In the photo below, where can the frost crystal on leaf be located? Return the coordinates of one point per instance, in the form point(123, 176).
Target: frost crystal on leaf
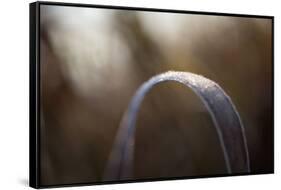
point(225, 117)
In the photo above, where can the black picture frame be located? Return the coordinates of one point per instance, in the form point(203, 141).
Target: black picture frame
point(34, 83)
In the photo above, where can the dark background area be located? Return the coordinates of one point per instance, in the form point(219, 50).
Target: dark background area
point(93, 60)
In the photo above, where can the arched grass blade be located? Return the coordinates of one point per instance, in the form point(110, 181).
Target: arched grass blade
point(223, 112)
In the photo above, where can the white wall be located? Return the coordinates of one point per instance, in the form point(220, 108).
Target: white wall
point(14, 49)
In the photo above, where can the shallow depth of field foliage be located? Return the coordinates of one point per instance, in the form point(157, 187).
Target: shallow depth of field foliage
point(94, 60)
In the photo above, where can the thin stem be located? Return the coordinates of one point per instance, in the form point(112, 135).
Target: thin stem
point(226, 119)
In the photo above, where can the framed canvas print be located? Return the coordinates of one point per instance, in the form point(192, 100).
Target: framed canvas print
point(122, 94)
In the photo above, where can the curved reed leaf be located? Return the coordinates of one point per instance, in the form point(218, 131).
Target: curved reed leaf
point(223, 112)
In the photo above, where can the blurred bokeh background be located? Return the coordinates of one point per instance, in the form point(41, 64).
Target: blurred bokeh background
point(92, 62)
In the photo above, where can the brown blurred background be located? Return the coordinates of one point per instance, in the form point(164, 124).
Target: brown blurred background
point(92, 62)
